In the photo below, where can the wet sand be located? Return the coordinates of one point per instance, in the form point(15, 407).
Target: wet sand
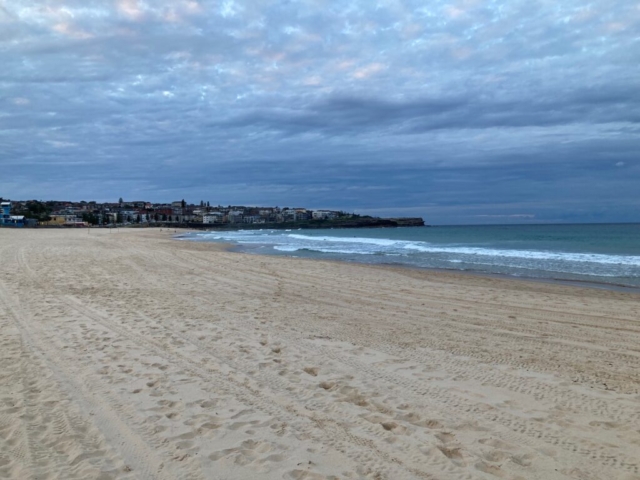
point(128, 354)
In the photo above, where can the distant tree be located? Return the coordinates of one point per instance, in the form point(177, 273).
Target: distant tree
point(33, 209)
point(129, 219)
point(184, 204)
point(164, 217)
point(155, 217)
point(138, 219)
point(119, 218)
point(89, 218)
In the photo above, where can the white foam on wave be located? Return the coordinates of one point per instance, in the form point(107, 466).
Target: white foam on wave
point(534, 255)
point(297, 248)
point(362, 240)
point(292, 242)
point(547, 268)
point(425, 247)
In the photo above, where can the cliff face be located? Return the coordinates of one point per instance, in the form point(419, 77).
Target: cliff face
point(360, 222)
point(378, 222)
point(408, 221)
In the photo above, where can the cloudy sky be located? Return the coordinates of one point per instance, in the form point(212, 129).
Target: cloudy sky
point(461, 111)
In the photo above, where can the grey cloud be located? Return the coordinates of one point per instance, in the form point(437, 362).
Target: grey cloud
point(340, 114)
point(459, 110)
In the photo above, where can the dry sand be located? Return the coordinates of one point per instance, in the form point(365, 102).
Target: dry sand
point(131, 355)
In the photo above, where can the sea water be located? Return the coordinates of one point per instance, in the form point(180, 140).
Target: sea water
point(600, 253)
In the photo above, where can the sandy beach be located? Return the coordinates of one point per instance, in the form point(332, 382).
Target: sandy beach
point(131, 355)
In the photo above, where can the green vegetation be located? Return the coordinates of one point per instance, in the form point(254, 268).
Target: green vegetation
point(91, 219)
point(35, 210)
point(345, 222)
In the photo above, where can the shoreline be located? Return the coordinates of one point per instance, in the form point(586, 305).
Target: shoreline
point(590, 284)
point(552, 281)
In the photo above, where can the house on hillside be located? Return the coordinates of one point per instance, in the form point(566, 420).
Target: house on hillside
point(212, 217)
point(252, 219)
point(324, 214)
point(235, 216)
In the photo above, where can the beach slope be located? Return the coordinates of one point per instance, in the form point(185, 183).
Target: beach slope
point(131, 355)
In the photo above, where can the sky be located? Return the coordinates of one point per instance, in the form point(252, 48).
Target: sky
point(460, 111)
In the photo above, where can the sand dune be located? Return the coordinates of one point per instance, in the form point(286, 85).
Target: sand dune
point(129, 355)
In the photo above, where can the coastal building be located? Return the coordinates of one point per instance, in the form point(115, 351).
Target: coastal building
point(162, 214)
point(60, 220)
point(253, 219)
point(5, 212)
point(324, 214)
point(235, 216)
point(303, 214)
point(8, 220)
point(212, 217)
point(15, 221)
point(128, 216)
point(178, 207)
point(288, 215)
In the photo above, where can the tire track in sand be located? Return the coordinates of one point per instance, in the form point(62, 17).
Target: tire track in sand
point(117, 433)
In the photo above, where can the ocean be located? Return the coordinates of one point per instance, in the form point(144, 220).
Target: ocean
point(597, 253)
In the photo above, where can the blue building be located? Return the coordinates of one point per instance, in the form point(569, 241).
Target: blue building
point(8, 220)
point(5, 212)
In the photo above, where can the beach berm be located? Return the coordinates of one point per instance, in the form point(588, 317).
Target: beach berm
point(131, 355)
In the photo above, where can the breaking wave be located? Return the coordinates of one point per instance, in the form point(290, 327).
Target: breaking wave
point(422, 253)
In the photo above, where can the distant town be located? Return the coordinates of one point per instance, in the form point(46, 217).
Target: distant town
point(35, 213)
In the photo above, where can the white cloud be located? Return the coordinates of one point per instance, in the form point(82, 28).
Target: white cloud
point(230, 8)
